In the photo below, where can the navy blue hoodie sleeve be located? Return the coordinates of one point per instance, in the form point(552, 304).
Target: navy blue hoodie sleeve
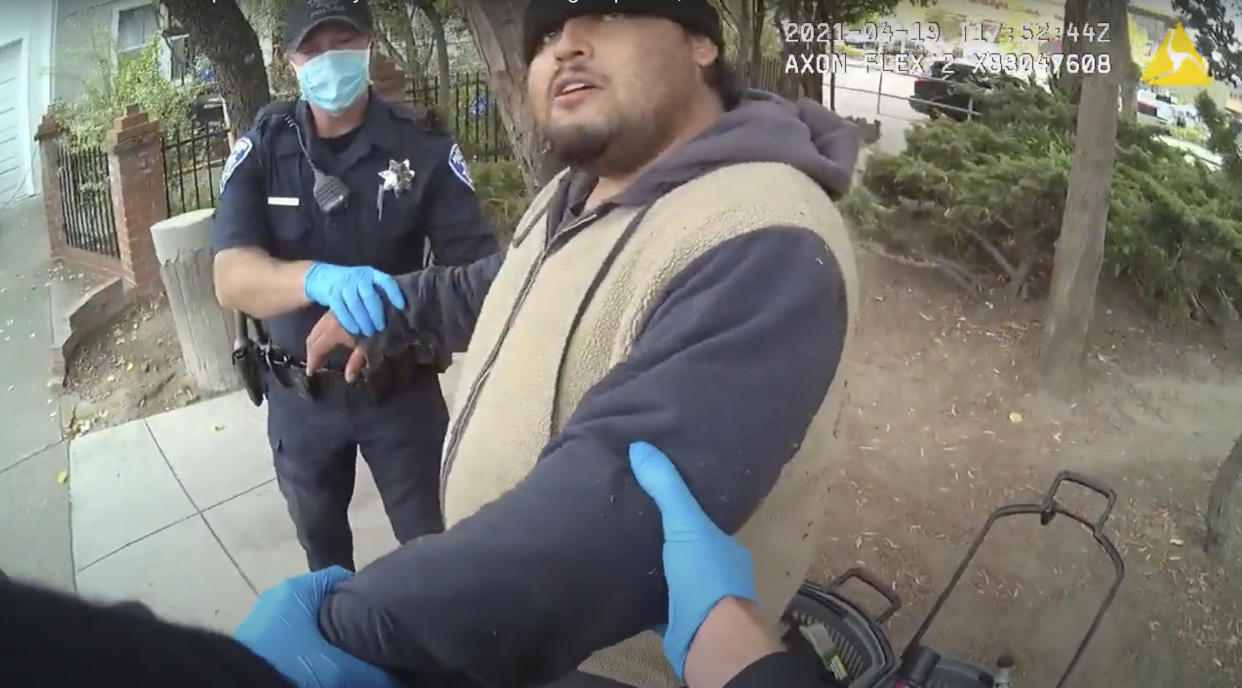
point(441, 307)
point(731, 366)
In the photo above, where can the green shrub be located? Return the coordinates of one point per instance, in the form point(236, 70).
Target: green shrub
point(1190, 134)
point(502, 195)
point(110, 87)
point(986, 198)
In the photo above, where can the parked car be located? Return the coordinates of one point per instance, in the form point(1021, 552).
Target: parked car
point(903, 46)
point(1154, 113)
point(1187, 115)
point(945, 88)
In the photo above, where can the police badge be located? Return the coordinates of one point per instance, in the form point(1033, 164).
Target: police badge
point(241, 149)
point(397, 179)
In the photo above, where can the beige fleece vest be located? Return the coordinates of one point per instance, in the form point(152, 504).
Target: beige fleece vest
point(514, 393)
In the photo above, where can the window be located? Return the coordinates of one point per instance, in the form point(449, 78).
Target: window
point(134, 27)
point(181, 59)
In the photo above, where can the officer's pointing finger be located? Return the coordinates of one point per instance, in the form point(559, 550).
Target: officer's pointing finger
point(314, 357)
point(315, 345)
point(357, 361)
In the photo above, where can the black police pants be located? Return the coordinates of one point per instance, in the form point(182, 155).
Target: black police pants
point(315, 446)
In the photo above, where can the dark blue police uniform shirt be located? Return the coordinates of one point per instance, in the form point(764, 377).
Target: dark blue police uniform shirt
point(266, 201)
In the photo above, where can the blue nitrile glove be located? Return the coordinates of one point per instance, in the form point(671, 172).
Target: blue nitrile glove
point(283, 628)
point(701, 563)
point(353, 295)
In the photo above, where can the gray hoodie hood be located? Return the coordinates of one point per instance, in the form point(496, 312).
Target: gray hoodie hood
point(763, 127)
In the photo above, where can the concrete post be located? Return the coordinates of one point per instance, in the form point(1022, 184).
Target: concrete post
point(182, 246)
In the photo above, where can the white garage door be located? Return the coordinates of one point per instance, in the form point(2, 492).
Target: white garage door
point(14, 140)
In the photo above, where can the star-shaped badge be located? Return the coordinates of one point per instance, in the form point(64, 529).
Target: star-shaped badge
point(397, 177)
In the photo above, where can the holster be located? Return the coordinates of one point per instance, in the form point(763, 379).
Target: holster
point(249, 356)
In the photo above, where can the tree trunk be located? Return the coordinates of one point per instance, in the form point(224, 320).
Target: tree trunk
point(496, 26)
point(746, 38)
point(756, 45)
point(225, 36)
point(1122, 61)
point(205, 331)
point(832, 76)
point(813, 84)
point(1217, 519)
point(1080, 248)
point(1072, 44)
point(747, 18)
point(443, 76)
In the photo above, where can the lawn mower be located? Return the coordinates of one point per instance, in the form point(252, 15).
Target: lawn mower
point(849, 649)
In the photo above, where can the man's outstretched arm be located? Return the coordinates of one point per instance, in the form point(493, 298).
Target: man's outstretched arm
point(442, 304)
point(726, 376)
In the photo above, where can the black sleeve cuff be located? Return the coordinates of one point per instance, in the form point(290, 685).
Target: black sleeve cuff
point(776, 670)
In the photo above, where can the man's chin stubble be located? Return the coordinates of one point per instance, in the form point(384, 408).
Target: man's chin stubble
point(577, 147)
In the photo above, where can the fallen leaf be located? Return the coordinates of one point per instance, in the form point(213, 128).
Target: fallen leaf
point(1176, 542)
point(62, 476)
point(1015, 417)
point(129, 366)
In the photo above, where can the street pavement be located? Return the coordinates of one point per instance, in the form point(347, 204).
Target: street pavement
point(34, 505)
point(864, 91)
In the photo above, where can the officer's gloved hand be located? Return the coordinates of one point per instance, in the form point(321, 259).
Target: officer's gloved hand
point(353, 295)
point(283, 628)
point(702, 564)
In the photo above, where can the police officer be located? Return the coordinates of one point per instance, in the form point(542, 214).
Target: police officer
point(320, 202)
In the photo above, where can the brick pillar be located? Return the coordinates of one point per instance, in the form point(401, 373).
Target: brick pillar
point(49, 137)
point(136, 170)
point(388, 79)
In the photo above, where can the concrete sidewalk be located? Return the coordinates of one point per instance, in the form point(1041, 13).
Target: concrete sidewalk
point(181, 511)
point(34, 507)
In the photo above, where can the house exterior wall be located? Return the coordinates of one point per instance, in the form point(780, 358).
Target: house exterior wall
point(32, 24)
point(83, 40)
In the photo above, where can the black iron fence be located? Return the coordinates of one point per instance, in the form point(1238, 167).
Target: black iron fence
point(193, 162)
point(86, 199)
point(471, 112)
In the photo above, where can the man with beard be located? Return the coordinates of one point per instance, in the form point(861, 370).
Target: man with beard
point(688, 282)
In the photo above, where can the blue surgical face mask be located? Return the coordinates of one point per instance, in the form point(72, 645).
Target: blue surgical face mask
point(335, 79)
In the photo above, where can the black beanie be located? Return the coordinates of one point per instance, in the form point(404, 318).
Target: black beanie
point(543, 16)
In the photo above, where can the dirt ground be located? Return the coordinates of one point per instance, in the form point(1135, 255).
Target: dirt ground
point(943, 428)
point(129, 370)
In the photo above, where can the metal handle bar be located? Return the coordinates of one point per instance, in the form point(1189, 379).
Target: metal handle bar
point(1047, 509)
